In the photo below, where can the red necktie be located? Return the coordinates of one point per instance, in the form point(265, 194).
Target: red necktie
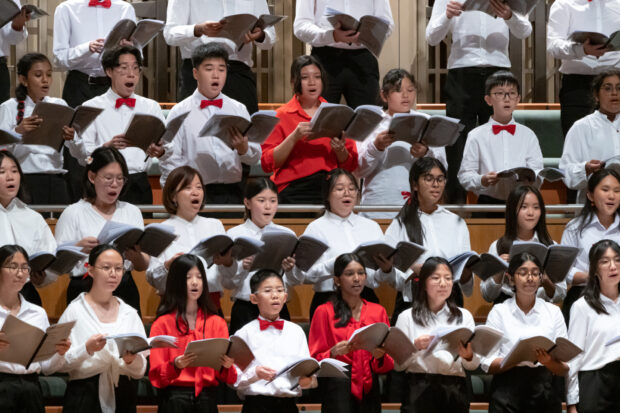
point(130, 102)
point(265, 324)
point(103, 3)
point(508, 128)
point(214, 102)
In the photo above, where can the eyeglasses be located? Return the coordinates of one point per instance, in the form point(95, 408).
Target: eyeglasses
point(279, 291)
point(606, 262)
point(609, 88)
point(109, 179)
point(503, 95)
point(430, 179)
point(350, 189)
point(110, 269)
point(436, 279)
point(528, 273)
point(125, 70)
point(14, 268)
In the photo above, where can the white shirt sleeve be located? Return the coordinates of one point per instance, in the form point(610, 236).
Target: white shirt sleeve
point(469, 175)
point(519, 25)
point(572, 160)
point(439, 24)
point(558, 44)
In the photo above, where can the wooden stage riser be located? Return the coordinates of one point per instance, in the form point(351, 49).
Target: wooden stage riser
point(482, 233)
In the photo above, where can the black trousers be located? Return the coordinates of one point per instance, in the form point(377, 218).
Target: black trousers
point(20, 393)
point(126, 290)
point(240, 83)
point(138, 191)
point(31, 294)
point(353, 74)
point(575, 99)
point(225, 194)
point(76, 91)
point(464, 90)
point(269, 404)
point(319, 298)
point(243, 312)
point(598, 389)
point(336, 397)
point(430, 393)
point(306, 190)
point(83, 396)
point(526, 389)
point(489, 200)
point(47, 189)
point(574, 293)
point(175, 399)
point(5, 80)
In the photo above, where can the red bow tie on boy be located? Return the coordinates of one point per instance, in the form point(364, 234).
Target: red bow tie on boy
point(215, 102)
point(129, 102)
point(508, 128)
point(100, 3)
point(265, 324)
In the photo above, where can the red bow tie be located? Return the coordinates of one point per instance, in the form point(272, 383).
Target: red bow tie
point(103, 3)
point(214, 102)
point(265, 324)
point(130, 102)
point(508, 128)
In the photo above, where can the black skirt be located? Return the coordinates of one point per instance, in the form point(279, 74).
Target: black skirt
point(20, 393)
point(429, 393)
point(176, 399)
point(269, 404)
point(336, 396)
point(526, 389)
point(599, 390)
point(82, 396)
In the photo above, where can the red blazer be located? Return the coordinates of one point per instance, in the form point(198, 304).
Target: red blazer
point(307, 157)
point(163, 373)
point(324, 335)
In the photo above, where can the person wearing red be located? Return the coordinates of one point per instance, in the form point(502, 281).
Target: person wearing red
point(332, 325)
point(187, 313)
point(300, 165)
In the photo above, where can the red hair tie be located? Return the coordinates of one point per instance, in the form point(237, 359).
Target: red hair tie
point(407, 196)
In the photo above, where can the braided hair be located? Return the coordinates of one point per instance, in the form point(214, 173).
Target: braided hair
point(21, 91)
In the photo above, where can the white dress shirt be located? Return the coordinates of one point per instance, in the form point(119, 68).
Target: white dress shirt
point(343, 235)
point(237, 278)
point(22, 226)
point(386, 173)
point(216, 161)
point(9, 37)
point(35, 316)
point(592, 233)
point(544, 319)
point(591, 137)
point(76, 25)
point(591, 332)
point(275, 349)
point(445, 235)
point(487, 152)
point(189, 234)
point(112, 122)
point(182, 15)
point(440, 361)
point(82, 220)
point(568, 16)
point(477, 38)
point(312, 27)
point(34, 159)
point(106, 362)
point(490, 289)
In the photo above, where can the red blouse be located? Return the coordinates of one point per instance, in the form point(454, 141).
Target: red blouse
point(163, 373)
point(324, 335)
point(307, 157)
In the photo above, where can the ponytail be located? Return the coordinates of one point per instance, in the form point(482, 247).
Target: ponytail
point(21, 91)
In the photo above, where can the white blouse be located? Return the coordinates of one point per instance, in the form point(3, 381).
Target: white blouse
point(107, 362)
point(189, 234)
point(439, 361)
point(82, 220)
point(544, 319)
point(590, 332)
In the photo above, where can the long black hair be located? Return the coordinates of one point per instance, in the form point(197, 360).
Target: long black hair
point(175, 298)
point(408, 216)
point(589, 208)
point(21, 91)
point(101, 158)
point(22, 193)
point(419, 306)
point(342, 311)
point(8, 251)
point(592, 292)
point(255, 186)
point(513, 205)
